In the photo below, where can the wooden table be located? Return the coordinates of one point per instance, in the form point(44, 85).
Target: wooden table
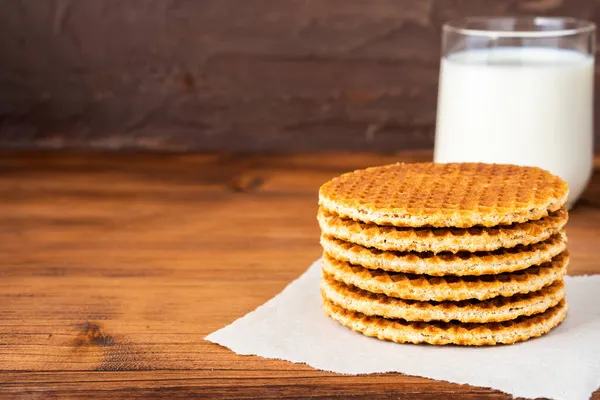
point(115, 266)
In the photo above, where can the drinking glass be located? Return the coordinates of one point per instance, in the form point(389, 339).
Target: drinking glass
point(519, 91)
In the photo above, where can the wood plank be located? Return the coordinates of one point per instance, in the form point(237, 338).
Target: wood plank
point(224, 74)
point(115, 266)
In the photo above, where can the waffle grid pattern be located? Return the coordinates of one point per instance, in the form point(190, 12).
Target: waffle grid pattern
point(459, 195)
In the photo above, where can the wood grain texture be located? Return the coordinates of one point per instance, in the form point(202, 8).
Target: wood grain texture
point(116, 266)
point(227, 74)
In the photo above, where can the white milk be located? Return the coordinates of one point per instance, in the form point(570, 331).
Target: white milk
point(526, 106)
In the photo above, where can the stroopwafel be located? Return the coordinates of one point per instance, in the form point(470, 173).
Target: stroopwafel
point(463, 263)
point(447, 288)
point(497, 309)
point(458, 195)
point(440, 333)
point(442, 239)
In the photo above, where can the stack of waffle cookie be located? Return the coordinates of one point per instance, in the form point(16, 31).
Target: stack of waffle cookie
point(468, 254)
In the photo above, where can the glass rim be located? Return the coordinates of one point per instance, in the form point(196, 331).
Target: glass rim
point(465, 27)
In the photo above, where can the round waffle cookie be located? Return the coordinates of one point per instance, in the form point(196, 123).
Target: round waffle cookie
point(467, 334)
point(497, 309)
point(463, 263)
point(458, 195)
point(447, 288)
point(441, 239)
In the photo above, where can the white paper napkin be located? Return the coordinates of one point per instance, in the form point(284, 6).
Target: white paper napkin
point(565, 364)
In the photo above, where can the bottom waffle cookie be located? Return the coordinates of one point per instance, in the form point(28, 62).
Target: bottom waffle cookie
point(497, 309)
point(441, 333)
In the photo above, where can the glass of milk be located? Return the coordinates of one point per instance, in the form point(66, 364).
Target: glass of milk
point(518, 91)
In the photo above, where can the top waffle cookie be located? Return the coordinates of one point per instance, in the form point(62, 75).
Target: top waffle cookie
point(444, 195)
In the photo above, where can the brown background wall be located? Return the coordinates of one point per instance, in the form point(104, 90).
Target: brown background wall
point(245, 74)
